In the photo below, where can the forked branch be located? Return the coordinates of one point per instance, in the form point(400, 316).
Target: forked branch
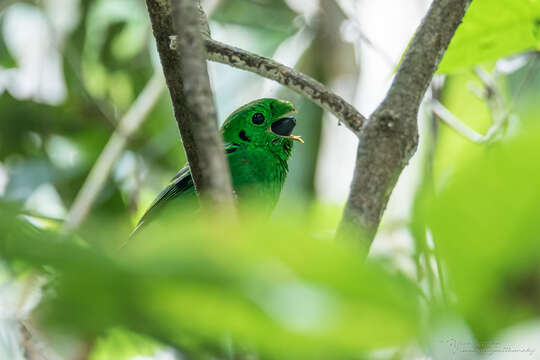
point(387, 140)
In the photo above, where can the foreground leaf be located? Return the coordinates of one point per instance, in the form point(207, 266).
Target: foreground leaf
point(493, 29)
point(485, 223)
point(268, 287)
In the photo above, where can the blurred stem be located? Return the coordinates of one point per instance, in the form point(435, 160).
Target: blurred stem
point(7, 3)
point(328, 60)
point(363, 37)
point(32, 341)
point(423, 198)
point(103, 167)
point(428, 191)
point(500, 112)
point(306, 57)
point(460, 127)
point(464, 130)
point(429, 176)
point(34, 346)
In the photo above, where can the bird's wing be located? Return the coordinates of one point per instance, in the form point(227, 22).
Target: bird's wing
point(181, 183)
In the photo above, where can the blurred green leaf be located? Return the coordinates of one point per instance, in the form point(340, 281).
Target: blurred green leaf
point(120, 344)
point(6, 60)
point(269, 22)
point(267, 286)
point(485, 223)
point(116, 32)
point(493, 29)
point(273, 15)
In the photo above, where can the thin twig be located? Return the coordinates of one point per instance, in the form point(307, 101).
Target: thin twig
point(292, 79)
point(101, 170)
point(289, 77)
point(499, 111)
point(429, 186)
point(495, 99)
point(461, 128)
point(34, 345)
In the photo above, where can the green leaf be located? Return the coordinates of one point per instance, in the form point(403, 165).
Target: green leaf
point(6, 60)
point(485, 224)
point(493, 29)
point(273, 15)
point(268, 287)
point(120, 344)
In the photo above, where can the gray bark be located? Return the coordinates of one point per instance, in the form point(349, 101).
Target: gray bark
point(187, 79)
point(390, 136)
point(294, 80)
point(388, 139)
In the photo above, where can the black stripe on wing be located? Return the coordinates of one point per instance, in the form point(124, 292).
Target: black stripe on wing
point(178, 185)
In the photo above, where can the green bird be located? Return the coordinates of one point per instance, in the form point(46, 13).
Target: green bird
point(258, 144)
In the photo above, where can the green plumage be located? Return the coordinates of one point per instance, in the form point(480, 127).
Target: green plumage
point(258, 144)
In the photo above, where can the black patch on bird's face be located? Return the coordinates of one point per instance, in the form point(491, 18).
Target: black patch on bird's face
point(243, 136)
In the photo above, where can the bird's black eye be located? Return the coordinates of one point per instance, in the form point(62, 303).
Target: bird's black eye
point(257, 118)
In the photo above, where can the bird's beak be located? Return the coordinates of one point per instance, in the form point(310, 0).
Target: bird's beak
point(295, 137)
point(283, 127)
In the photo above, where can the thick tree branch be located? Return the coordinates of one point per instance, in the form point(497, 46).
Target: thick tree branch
point(390, 137)
point(387, 140)
point(187, 80)
point(294, 80)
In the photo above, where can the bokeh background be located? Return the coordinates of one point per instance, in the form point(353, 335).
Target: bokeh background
point(71, 69)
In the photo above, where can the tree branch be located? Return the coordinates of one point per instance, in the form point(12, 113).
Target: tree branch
point(273, 70)
point(294, 80)
point(463, 129)
point(102, 168)
point(34, 345)
point(390, 137)
point(189, 87)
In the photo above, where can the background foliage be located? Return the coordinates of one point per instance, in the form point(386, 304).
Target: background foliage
point(467, 279)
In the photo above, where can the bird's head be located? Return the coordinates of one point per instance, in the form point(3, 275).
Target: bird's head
point(262, 123)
